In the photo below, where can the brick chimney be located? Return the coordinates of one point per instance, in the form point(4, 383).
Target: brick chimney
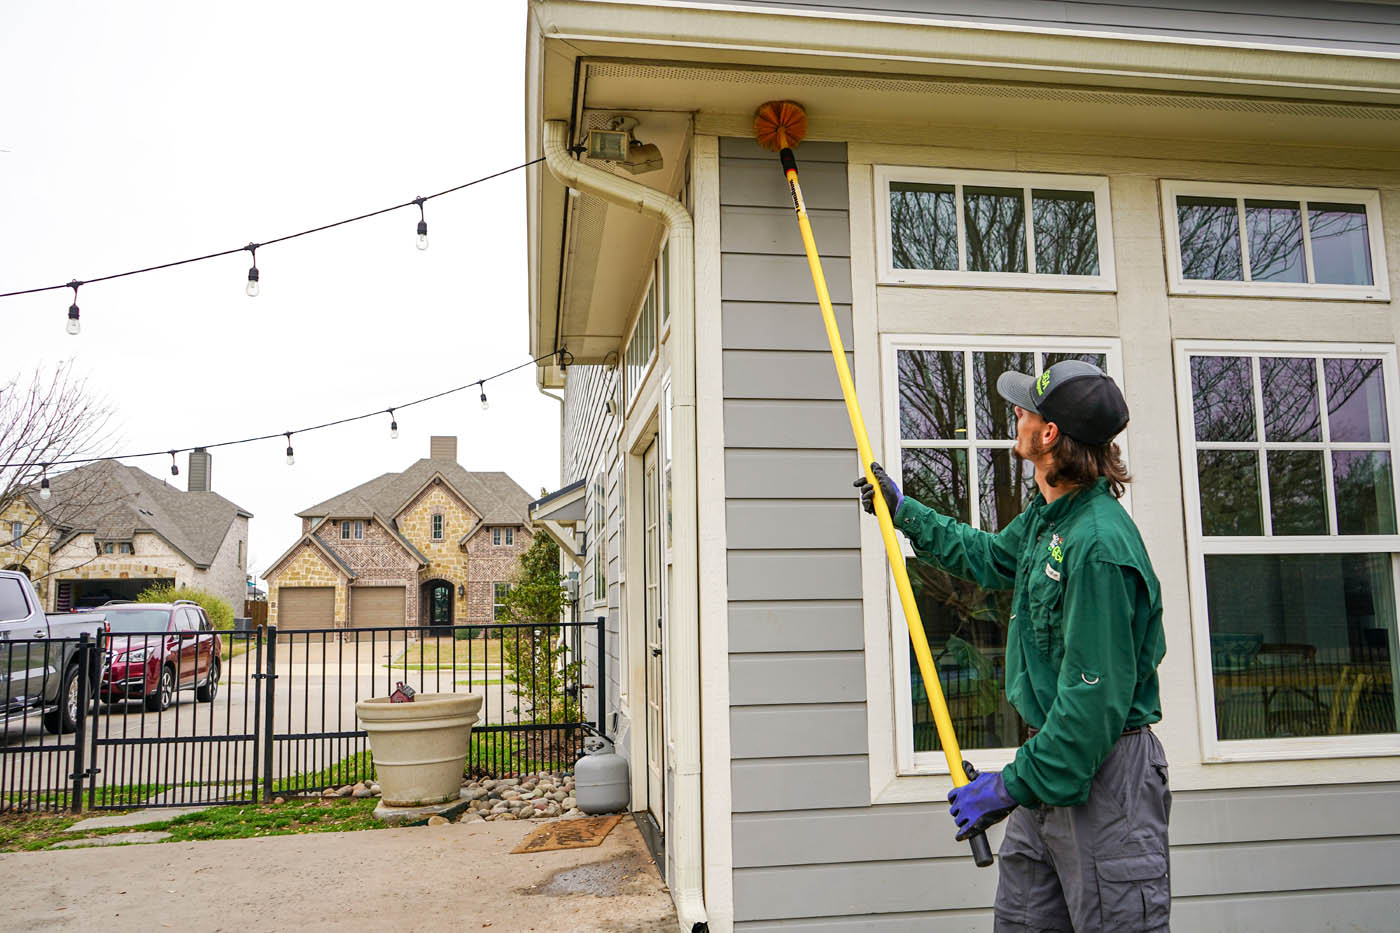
point(442, 448)
point(197, 473)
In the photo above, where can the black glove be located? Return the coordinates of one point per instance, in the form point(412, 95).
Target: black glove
point(893, 497)
point(983, 803)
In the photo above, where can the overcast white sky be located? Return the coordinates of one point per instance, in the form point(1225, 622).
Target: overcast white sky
point(144, 132)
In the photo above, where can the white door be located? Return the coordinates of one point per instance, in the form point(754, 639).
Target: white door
point(652, 620)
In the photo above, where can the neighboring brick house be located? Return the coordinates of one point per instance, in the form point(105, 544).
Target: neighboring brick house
point(109, 531)
point(431, 546)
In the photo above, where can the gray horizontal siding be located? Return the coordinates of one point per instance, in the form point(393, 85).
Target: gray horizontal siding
point(773, 424)
point(782, 374)
point(751, 277)
point(817, 782)
point(792, 523)
point(793, 731)
point(752, 325)
point(793, 575)
point(817, 625)
point(808, 677)
point(766, 473)
point(763, 230)
point(1302, 23)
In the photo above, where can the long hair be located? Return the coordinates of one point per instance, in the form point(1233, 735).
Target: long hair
point(1080, 464)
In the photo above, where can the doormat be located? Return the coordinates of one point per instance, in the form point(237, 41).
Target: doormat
point(568, 834)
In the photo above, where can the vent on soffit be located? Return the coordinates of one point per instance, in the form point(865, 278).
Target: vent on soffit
point(912, 85)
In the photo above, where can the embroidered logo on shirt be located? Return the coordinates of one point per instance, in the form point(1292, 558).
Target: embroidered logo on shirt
point(1052, 573)
point(1056, 549)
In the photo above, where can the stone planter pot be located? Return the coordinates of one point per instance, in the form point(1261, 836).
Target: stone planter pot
point(421, 747)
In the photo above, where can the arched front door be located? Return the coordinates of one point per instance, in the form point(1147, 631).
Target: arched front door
point(437, 607)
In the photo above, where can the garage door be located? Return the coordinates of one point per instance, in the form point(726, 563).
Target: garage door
point(303, 607)
point(377, 606)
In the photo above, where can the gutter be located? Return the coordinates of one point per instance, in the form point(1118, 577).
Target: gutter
point(684, 842)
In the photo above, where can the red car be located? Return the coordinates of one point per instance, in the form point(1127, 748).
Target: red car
point(155, 650)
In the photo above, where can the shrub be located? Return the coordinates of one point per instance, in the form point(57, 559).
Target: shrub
point(219, 612)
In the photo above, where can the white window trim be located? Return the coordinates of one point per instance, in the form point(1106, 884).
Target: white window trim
point(631, 390)
point(16, 534)
point(1105, 281)
point(495, 537)
point(1214, 750)
point(1379, 290)
point(909, 763)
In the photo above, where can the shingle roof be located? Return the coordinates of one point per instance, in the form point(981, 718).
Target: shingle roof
point(495, 496)
point(115, 501)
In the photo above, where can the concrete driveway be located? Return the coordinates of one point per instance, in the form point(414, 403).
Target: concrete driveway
point(454, 877)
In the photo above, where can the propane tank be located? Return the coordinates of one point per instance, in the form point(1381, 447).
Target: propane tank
point(600, 777)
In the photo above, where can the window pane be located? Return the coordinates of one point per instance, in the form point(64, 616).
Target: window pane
point(1097, 359)
point(932, 403)
point(995, 226)
point(923, 226)
point(1209, 233)
point(1290, 399)
point(996, 417)
point(1005, 483)
point(1275, 231)
point(1297, 492)
point(1340, 246)
point(1066, 237)
point(1229, 492)
point(1301, 644)
point(938, 479)
point(1222, 397)
point(1365, 503)
point(1355, 400)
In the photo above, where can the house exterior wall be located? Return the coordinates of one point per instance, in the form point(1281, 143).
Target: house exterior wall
point(378, 560)
point(491, 564)
point(307, 567)
point(1349, 26)
point(227, 573)
point(824, 834)
point(33, 552)
point(446, 559)
point(153, 557)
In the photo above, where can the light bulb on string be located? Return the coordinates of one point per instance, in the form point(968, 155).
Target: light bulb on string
point(252, 287)
point(291, 457)
point(422, 223)
point(44, 492)
point(484, 404)
point(74, 325)
point(393, 426)
point(174, 468)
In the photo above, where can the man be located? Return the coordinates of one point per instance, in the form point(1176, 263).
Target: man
point(1087, 797)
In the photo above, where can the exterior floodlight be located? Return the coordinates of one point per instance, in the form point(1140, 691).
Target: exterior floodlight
point(607, 145)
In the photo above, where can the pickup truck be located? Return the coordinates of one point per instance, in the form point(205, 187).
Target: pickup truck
point(39, 656)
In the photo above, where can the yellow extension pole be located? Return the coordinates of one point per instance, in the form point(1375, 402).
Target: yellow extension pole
point(936, 702)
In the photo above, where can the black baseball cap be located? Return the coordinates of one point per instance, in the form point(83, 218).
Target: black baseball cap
point(1077, 396)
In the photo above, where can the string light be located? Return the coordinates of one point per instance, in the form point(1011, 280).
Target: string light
point(252, 273)
point(252, 287)
point(74, 326)
point(480, 383)
point(484, 404)
point(174, 468)
point(291, 457)
point(422, 223)
point(44, 492)
point(393, 426)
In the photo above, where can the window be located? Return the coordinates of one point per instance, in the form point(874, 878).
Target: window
point(663, 284)
point(16, 534)
point(359, 529)
point(13, 603)
point(1287, 451)
point(500, 613)
point(1225, 239)
point(108, 548)
point(599, 541)
point(345, 530)
point(124, 548)
point(641, 345)
point(950, 441)
point(510, 536)
point(496, 537)
point(994, 229)
point(437, 528)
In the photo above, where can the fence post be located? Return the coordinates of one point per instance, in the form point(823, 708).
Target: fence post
point(257, 649)
point(602, 672)
point(80, 725)
point(270, 680)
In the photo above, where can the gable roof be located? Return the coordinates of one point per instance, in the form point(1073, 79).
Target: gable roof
point(114, 501)
point(318, 545)
point(496, 497)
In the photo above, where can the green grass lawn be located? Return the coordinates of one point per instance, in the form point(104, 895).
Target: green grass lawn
point(436, 654)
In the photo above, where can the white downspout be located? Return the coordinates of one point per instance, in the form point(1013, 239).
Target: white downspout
point(684, 839)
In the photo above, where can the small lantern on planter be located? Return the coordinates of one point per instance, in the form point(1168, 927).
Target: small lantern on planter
point(404, 693)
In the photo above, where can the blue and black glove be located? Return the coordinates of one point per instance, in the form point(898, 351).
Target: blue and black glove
point(893, 497)
point(983, 803)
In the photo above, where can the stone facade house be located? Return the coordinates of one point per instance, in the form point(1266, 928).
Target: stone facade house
point(109, 531)
point(434, 545)
point(1202, 198)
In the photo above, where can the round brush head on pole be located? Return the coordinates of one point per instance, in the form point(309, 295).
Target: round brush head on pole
point(780, 124)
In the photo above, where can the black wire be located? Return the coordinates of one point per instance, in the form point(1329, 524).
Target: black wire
point(280, 239)
point(565, 358)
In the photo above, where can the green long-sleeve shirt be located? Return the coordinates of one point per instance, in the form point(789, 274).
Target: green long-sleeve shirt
point(1085, 634)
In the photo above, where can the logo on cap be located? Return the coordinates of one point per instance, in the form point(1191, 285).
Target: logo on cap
point(1042, 382)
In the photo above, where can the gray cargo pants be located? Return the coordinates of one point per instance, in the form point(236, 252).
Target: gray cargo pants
point(1097, 867)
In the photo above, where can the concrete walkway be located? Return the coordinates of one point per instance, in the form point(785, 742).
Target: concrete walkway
point(454, 877)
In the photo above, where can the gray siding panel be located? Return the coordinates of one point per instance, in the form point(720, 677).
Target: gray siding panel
point(775, 231)
point(781, 374)
point(816, 677)
point(790, 474)
point(751, 277)
point(792, 424)
point(861, 888)
point(1313, 813)
point(792, 731)
point(804, 783)
point(753, 183)
point(826, 625)
point(793, 575)
point(751, 325)
point(733, 147)
point(797, 523)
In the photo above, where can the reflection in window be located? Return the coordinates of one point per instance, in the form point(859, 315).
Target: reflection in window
point(931, 395)
point(1355, 400)
point(1301, 644)
point(1229, 484)
point(1340, 245)
point(1209, 235)
point(995, 222)
point(1290, 398)
point(923, 226)
point(1275, 241)
point(1066, 233)
point(1222, 397)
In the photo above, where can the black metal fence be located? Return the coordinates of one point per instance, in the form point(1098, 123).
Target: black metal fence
point(176, 718)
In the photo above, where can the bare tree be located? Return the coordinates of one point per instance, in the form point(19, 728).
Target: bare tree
point(49, 416)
